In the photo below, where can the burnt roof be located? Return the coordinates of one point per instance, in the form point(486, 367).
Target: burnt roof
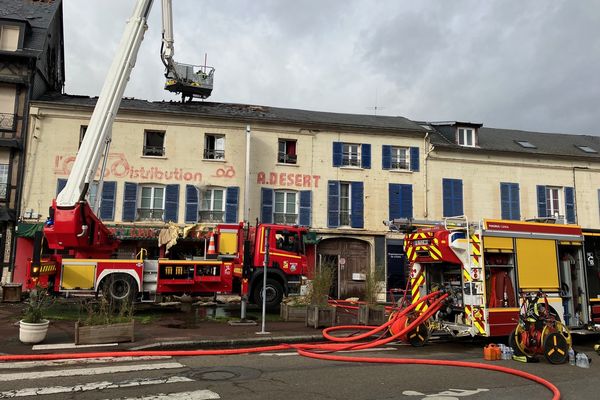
point(38, 14)
point(244, 112)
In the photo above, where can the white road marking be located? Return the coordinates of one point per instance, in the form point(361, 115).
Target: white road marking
point(86, 371)
point(195, 395)
point(347, 351)
point(59, 346)
point(57, 363)
point(91, 386)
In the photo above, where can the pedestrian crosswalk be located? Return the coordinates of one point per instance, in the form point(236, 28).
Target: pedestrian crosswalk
point(108, 379)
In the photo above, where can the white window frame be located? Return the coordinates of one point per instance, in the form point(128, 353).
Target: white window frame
point(216, 152)
point(396, 161)
point(7, 40)
point(463, 135)
point(282, 152)
point(210, 193)
point(153, 196)
point(146, 152)
point(554, 195)
point(285, 211)
point(343, 199)
point(351, 155)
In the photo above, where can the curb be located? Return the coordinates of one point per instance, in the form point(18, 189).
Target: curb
point(229, 343)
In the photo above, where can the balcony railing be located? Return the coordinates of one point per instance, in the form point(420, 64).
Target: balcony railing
point(284, 158)
point(344, 218)
point(400, 164)
point(150, 214)
point(154, 151)
point(350, 160)
point(8, 122)
point(212, 154)
point(211, 216)
point(284, 218)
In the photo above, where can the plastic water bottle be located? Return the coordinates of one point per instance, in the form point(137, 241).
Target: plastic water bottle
point(511, 353)
point(585, 362)
point(571, 356)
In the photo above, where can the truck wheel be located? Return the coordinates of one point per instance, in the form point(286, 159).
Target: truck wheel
point(274, 293)
point(119, 288)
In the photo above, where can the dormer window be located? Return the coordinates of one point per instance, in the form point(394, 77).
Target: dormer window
point(466, 137)
point(9, 37)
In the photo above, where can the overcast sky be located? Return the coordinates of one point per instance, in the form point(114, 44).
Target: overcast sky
point(531, 65)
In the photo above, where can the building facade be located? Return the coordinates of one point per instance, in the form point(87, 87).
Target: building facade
point(31, 62)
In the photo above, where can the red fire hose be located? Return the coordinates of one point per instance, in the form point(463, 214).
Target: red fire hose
point(317, 350)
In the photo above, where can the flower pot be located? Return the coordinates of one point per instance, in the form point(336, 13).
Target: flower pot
point(32, 333)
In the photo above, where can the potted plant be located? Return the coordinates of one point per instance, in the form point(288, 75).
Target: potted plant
point(319, 313)
point(371, 312)
point(34, 327)
point(105, 321)
point(293, 308)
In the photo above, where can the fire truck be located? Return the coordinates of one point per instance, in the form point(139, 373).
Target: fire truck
point(485, 265)
point(74, 229)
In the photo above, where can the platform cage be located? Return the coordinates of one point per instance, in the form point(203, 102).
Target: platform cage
point(190, 80)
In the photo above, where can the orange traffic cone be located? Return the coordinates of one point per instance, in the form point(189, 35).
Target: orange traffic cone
point(211, 252)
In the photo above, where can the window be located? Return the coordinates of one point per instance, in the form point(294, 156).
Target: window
point(452, 197)
point(509, 201)
point(3, 180)
point(92, 193)
point(214, 147)
point(9, 37)
point(287, 241)
point(7, 107)
point(466, 137)
point(351, 155)
point(152, 203)
point(286, 207)
point(286, 151)
point(525, 144)
point(154, 143)
point(345, 205)
point(587, 149)
point(400, 158)
point(82, 131)
point(212, 206)
point(553, 201)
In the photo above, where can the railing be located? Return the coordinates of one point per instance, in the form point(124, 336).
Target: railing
point(350, 160)
point(344, 218)
point(154, 151)
point(400, 164)
point(211, 216)
point(286, 158)
point(8, 122)
point(212, 154)
point(284, 218)
point(150, 214)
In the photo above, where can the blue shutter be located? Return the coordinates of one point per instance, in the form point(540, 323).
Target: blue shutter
point(337, 154)
point(357, 207)
point(60, 185)
point(333, 204)
point(570, 204)
point(458, 197)
point(406, 202)
point(231, 204)
point(541, 199)
point(447, 197)
point(515, 202)
point(107, 205)
point(452, 197)
point(394, 200)
point(191, 204)
point(414, 159)
point(266, 214)
point(505, 200)
point(365, 155)
point(129, 202)
point(171, 203)
point(386, 157)
point(305, 207)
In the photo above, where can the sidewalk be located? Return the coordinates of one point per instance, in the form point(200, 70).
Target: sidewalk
point(161, 328)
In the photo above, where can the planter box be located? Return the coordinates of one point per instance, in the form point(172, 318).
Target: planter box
point(292, 313)
point(371, 316)
point(96, 334)
point(320, 317)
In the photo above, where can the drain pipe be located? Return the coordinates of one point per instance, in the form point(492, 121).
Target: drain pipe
point(244, 300)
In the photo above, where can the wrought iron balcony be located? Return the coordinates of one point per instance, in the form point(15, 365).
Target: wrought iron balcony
point(211, 216)
point(150, 214)
point(350, 160)
point(212, 154)
point(286, 158)
point(154, 151)
point(284, 218)
point(400, 164)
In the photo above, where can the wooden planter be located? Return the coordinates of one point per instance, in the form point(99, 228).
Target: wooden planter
point(320, 316)
point(369, 315)
point(96, 334)
point(292, 313)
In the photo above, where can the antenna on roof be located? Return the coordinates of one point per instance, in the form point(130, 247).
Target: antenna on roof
point(375, 107)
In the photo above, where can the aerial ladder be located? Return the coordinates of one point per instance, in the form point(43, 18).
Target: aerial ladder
point(72, 223)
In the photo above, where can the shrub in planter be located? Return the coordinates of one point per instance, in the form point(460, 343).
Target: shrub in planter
point(293, 308)
point(34, 327)
point(319, 313)
point(105, 321)
point(370, 312)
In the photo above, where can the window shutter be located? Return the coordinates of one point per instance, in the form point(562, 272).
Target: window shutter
point(515, 202)
point(458, 197)
point(60, 185)
point(447, 197)
point(365, 155)
point(107, 205)
point(505, 200)
point(394, 200)
point(333, 204)
point(453, 197)
point(414, 159)
point(129, 202)
point(357, 198)
point(171, 203)
point(386, 157)
point(267, 206)
point(570, 205)
point(191, 204)
point(406, 201)
point(541, 199)
point(231, 204)
point(337, 154)
point(305, 207)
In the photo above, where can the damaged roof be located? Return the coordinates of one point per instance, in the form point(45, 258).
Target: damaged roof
point(38, 14)
point(256, 113)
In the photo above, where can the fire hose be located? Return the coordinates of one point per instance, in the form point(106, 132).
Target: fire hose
point(318, 350)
